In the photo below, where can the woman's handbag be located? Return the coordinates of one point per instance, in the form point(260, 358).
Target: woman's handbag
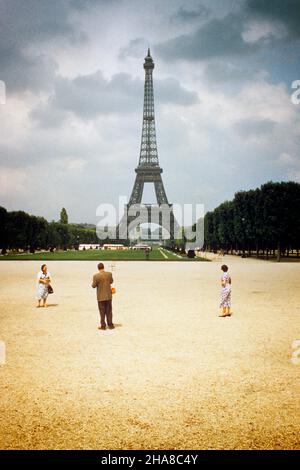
point(113, 290)
point(50, 289)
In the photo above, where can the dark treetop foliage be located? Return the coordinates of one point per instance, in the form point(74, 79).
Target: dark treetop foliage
point(19, 230)
point(63, 216)
point(261, 220)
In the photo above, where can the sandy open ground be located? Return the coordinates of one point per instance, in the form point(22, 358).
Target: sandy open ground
point(171, 375)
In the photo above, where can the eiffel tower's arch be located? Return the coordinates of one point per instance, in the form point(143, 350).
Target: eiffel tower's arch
point(160, 215)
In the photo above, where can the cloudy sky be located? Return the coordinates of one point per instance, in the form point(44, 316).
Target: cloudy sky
point(73, 69)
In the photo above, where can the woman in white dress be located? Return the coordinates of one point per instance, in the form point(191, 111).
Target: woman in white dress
point(225, 304)
point(44, 280)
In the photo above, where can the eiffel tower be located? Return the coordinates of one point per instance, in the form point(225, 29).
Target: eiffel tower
point(148, 171)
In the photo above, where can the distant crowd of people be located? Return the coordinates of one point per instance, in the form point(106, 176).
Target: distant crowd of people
point(102, 282)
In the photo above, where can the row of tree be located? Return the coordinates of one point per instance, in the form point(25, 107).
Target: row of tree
point(19, 230)
point(265, 221)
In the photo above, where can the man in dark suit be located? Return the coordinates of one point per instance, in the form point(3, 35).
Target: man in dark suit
point(102, 281)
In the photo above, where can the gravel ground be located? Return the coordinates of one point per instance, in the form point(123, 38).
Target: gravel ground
point(172, 375)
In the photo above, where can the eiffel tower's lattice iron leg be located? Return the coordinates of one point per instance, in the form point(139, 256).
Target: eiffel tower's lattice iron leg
point(160, 192)
point(137, 192)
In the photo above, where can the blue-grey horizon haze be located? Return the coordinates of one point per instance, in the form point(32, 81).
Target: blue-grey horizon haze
point(71, 120)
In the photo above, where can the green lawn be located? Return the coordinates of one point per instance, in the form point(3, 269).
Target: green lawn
point(99, 255)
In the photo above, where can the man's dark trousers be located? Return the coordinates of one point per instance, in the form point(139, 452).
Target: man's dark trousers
point(105, 309)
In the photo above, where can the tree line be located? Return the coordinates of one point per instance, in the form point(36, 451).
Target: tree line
point(264, 221)
point(19, 230)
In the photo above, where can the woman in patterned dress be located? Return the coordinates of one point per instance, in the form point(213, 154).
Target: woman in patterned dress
point(225, 304)
point(43, 283)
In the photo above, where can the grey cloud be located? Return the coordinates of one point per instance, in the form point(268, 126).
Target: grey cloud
point(22, 70)
point(84, 4)
point(183, 15)
point(9, 156)
point(47, 115)
point(135, 48)
point(287, 12)
point(216, 38)
point(25, 26)
point(171, 91)
point(232, 73)
point(31, 20)
point(249, 127)
point(88, 96)
point(224, 71)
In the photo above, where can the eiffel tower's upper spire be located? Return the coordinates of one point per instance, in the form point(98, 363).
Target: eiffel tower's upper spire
point(148, 64)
